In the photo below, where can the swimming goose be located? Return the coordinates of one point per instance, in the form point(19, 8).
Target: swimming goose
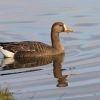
point(33, 48)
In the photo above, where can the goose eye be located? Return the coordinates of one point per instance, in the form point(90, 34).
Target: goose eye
point(60, 25)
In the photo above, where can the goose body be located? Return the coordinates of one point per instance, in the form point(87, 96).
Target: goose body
point(33, 48)
point(25, 49)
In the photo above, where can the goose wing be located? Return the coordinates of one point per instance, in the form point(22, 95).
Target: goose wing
point(25, 46)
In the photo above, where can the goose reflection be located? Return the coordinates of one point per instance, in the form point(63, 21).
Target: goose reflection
point(10, 63)
point(57, 71)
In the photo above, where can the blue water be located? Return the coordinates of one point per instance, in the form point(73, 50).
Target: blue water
point(31, 20)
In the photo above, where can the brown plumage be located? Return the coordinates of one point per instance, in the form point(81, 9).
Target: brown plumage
point(33, 48)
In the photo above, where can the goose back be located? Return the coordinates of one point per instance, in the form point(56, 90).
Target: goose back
point(28, 48)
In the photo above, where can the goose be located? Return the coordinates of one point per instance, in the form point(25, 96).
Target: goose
point(35, 48)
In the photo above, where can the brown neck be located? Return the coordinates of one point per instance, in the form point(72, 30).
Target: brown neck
point(56, 41)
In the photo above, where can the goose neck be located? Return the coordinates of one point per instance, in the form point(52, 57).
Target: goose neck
point(56, 41)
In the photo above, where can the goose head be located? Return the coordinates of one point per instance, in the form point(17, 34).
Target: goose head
point(58, 27)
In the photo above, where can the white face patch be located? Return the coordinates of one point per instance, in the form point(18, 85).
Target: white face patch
point(65, 28)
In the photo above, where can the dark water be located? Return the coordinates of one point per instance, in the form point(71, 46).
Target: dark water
point(32, 20)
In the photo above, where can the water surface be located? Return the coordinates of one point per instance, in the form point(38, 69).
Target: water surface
point(32, 20)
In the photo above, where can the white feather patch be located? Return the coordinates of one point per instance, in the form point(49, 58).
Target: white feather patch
point(6, 61)
point(6, 53)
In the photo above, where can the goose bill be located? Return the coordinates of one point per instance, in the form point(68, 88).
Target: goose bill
point(67, 29)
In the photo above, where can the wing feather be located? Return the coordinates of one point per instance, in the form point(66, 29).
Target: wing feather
point(25, 46)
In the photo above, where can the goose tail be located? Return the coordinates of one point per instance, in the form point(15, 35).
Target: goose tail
point(6, 53)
